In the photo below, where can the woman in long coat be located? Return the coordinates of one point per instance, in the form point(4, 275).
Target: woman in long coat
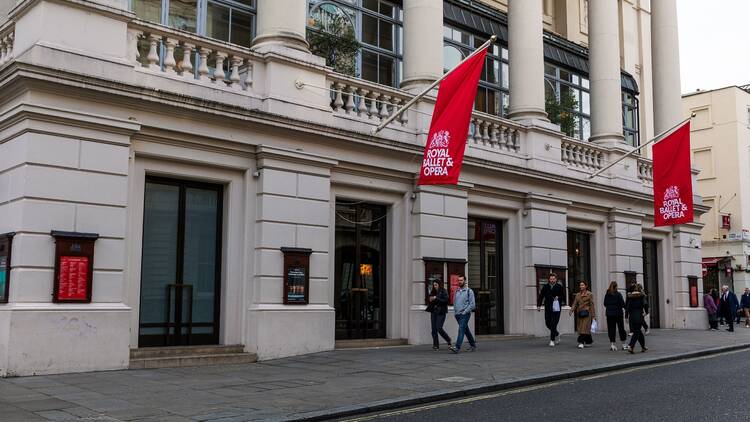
point(585, 311)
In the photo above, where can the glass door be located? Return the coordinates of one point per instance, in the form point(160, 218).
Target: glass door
point(181, 264)
point(359, 293)
point(485, 275)
point(651, 280)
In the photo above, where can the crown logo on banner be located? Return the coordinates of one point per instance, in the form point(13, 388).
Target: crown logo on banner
point(672, 192)
point(440, 139)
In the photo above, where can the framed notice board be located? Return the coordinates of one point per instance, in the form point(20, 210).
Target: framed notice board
point(296, 276)
point(6, 247)
point(74, 266)
point(693, 290)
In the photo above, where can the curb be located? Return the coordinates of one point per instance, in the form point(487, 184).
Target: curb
point(440, 395)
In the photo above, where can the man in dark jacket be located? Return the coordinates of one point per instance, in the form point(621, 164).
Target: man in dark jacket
point(552, 292)
point(728, 305)
point(745, 304)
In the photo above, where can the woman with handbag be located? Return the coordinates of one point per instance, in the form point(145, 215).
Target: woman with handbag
point(585, 311)
point(438, 308)
point(634, 313)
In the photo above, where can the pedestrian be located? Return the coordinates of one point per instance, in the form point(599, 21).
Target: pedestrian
point(438, 308)
point(585, 311)
point(710, 304)
point(463, 304)
point(552, 296)
point(614, 305)
point(715, 295)
point(646, 331)
point(634, 313)
point(728, 305)
point(745, 303)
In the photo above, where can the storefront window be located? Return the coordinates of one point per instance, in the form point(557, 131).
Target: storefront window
point(492, 94)
point(579, 260)
point(378, 26)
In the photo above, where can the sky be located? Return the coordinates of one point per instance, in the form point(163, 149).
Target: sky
point(714, 49)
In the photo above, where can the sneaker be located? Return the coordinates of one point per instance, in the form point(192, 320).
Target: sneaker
point(551, 343)
point(472, 348)
point(435, 348)
point(643, 349)
point(624, 346)
point(612, 347)
point(580, 345)
point(647, 332)
point(453, 349)
point(557, 340)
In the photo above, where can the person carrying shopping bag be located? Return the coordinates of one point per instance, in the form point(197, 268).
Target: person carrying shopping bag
point(614, 305)
point(585, 310)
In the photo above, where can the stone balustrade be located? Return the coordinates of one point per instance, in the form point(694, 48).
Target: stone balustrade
point(7, 35)
point(366, 100)
point(494, 133)
point(645, 170)
point(583, 155)
point(191, 57)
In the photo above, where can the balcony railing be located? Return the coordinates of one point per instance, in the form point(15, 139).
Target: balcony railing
point(366, 100)
point(7, 35)
point(494, 133)
point(193, 58)
point(583, 155)
point(645, 170)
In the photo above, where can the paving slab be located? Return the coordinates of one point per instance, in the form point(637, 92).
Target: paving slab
point(335, 383)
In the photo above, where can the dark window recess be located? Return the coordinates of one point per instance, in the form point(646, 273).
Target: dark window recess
point(486, 274)
point(579, 261)
point(6, 249)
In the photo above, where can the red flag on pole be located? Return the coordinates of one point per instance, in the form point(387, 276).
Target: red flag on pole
point(446, 141)
point(673, 182)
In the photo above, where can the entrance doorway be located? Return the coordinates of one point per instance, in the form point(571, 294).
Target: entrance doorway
point(651, 279)
point(485, 274)
point(181, 264)
point(359, 291)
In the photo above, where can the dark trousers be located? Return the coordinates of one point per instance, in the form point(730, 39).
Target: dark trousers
point(713, 321)
point(637, 334)
point(727, 314)
point(437, 321)
point(585, 339)
point(463, 329)
point(616, 323)
point(551, 319)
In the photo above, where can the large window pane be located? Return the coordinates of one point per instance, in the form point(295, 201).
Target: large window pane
point(149, 10)
point(182, 14)
point(452, 57)
point(371, 5)
point(386, 35)
point(369, 66)
point(369, 30)
point(217, 22)
point(505, 81)
point(242, 28)
point(386, 72)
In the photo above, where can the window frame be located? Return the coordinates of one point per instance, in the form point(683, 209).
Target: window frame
point(557, 82)
point(500, 55)
point(397, 23)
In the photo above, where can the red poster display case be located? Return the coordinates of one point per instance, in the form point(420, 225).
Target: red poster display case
point(74, 266)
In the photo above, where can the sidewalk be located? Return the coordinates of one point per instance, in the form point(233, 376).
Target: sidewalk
point(331, 383)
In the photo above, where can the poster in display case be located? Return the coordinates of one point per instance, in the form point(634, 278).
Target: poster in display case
point(296, 275)
point(74, 266)
point(6, 247)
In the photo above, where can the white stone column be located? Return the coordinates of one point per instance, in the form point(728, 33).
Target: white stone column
point(604, 64)
point(526, 55)
point(281, 22)
point(423, 43)
point(665, 56)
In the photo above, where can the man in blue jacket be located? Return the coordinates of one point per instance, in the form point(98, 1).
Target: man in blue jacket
point(728, 305)
point(463, 304)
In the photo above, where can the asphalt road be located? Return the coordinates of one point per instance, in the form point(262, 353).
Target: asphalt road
point(715, 388)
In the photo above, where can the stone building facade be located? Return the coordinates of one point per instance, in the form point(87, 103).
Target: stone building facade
point(199, 158)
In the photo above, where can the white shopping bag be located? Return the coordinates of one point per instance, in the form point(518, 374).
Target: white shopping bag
point(594, 326)
point(556, 306)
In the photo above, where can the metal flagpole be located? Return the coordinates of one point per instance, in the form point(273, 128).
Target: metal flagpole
point(654, 139)
point(433, 85)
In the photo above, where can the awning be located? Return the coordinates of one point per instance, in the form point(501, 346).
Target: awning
point(479, 18)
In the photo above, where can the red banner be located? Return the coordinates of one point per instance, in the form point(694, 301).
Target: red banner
point(446, 141)
point(673, 184)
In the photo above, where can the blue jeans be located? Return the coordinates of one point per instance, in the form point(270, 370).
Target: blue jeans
point(463, 328)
